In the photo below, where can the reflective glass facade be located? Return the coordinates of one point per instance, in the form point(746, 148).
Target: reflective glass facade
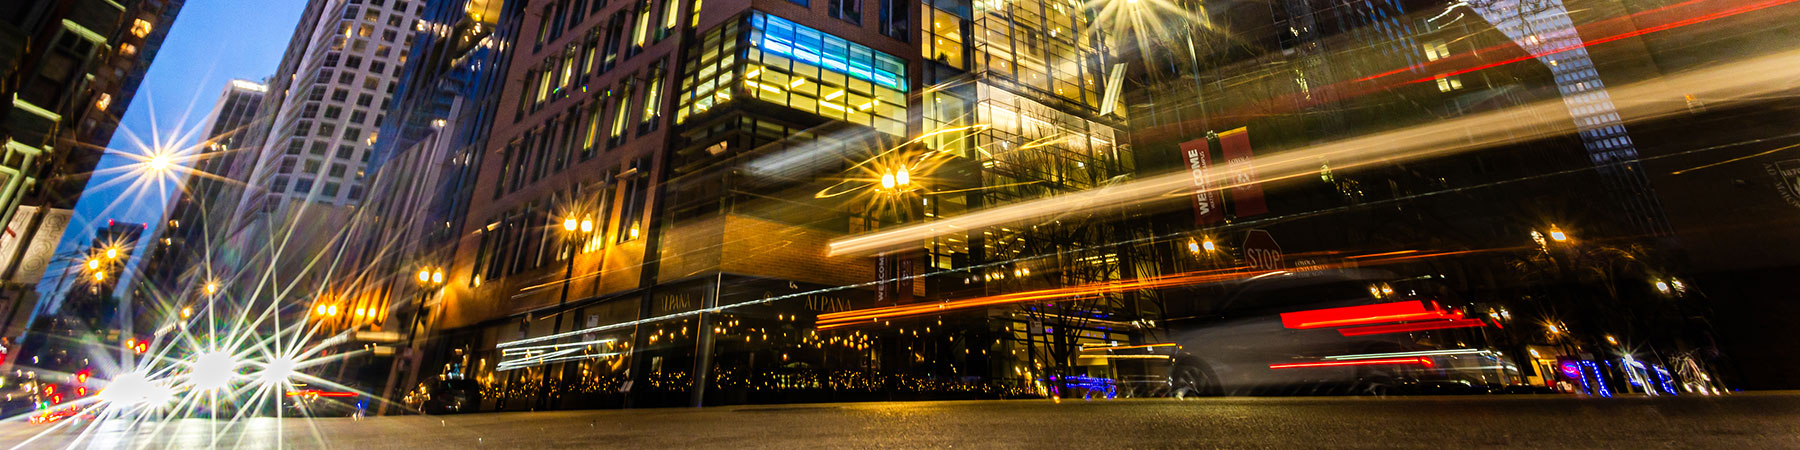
point(781, 62)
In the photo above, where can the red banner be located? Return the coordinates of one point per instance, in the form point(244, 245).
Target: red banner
point(1206, 201)
point(1246, 193)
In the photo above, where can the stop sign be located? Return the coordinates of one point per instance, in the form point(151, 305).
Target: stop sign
point(1261, 251)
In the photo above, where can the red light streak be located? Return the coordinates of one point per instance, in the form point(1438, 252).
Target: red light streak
point(870, 315)
point(1631, 34)
point(1418, 361)
point(1411, 327)
point(319, 393)
point(1358, 315)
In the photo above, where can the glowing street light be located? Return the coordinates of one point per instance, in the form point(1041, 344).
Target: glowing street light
point(437, 277)
point(424, 275)
point(1557, 234)
point(212, 370)
point(135, 388)
point(570, 224)
point(112, 253)
point(212, 288)
point(278, 370)
point(99, 277)
point(159, 163)
point(93, 264)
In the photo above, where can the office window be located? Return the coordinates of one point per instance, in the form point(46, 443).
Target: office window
point(945, 42)
point(808, 70)
point(671, 15)
point(621, 114)
point(710, 72)
point(653, 100)
point(592, 130)
point(847, 10)
point(640, 33)
point(615, 33)
point(893, 19)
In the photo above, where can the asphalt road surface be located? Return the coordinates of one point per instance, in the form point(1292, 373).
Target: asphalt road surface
point(1742, 421)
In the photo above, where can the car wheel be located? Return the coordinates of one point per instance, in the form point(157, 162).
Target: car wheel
point(1190, 378)
point(1377, 384)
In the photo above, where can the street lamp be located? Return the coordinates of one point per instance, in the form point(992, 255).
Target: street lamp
point(93, 264)
point(212, 288)
point(575, 231)
point(1557, 234)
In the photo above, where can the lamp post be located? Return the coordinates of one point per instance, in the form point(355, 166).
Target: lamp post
point(576, 231)
point(430, 279)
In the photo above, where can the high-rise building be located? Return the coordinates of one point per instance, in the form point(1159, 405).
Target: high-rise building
point(325, 105)
point(194, 219)
point(68, 69)
point(420, 178)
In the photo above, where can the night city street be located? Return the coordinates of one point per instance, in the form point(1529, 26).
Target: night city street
point(899, 223)
point(1748, 421)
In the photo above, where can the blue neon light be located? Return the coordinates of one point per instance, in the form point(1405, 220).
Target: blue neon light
point(780, 36)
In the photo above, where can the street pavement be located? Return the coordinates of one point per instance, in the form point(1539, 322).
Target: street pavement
point(1741, 421)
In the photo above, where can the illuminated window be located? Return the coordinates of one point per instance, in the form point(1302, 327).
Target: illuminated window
point(1436, 50)
point(1447, 84)
point(1038, 46)
point(593, 129)
point(104, 101)
point(945, 44)
point(127, 49)
point(140, 28)
point(709, 65)
point(653, 99)
point(621, 114)
point(671, 16)
point(640, 33)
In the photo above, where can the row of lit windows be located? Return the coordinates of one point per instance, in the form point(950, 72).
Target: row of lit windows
point(530, 236)
point(1038, 46)
point(800, 68)
point(581, 129)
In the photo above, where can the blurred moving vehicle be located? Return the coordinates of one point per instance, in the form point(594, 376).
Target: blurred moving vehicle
point(1332, 332)
point(444, 396)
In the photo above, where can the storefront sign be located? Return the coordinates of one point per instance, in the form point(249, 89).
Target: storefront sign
point(1206, 200)
point(1246, 192)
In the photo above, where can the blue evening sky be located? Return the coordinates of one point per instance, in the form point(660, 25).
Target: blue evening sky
point(212, 42)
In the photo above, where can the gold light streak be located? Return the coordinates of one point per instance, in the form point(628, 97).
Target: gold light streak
point(1747, 79)
point(888, 313)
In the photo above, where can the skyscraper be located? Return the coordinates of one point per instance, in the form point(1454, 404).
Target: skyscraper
point(194, 216)
point(325, 106)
